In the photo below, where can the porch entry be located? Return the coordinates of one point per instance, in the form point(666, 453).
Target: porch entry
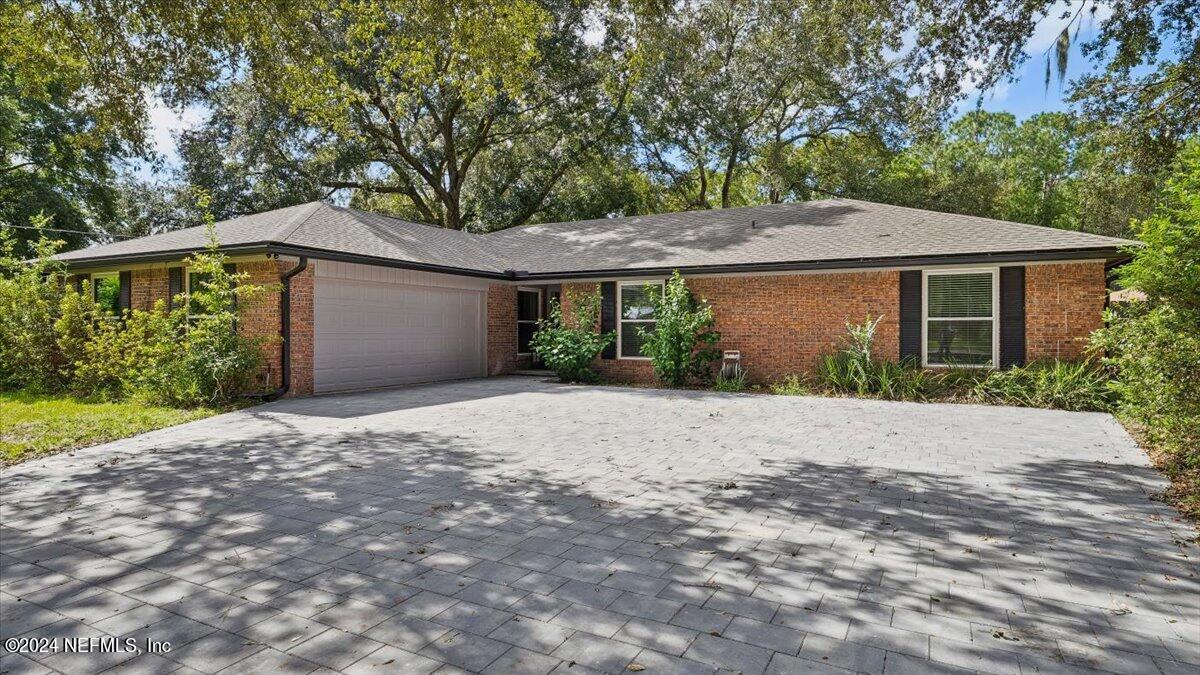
point(533, 305)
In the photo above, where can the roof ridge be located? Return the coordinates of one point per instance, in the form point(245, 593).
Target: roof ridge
point(302, 216)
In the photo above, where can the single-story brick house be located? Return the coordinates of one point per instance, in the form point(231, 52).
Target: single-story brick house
point(368, 300)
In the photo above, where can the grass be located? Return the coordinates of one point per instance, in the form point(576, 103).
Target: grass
point(33, 425)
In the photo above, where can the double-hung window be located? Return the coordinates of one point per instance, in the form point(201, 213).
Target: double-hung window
point(636, 311)
point(106, 291)
point(529, 310)
point(960, 318)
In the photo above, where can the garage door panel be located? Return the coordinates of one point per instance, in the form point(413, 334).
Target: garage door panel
point(372, 334)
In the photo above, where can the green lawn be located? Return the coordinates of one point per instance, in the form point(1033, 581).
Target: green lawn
point(32, 425)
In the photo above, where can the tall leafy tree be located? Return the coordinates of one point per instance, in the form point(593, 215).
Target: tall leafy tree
point(453, 107)
point(727, 78)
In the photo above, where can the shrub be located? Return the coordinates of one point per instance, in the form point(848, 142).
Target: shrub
point(791, 385)
point(681, 344)
point(120, 357)
point(854, 370)
point(569, 344)
point(1154, 346)
point(734, 381)
point(1066, 385)
point(53, 337)
point(215, 363)
point(74, 328)
point(29, 299)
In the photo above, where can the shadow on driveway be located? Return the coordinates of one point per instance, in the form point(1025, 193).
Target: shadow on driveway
point(509, 524)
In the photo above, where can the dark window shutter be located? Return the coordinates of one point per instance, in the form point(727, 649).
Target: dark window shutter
point(1012, 316)
point(125, 299)
point(79, 281)
point(608, 316)
point(231, 268)
point(174, 284)
point(910, 315)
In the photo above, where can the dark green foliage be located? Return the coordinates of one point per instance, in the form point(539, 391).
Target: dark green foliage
point(569, 344)
point(1154, 346)
point(29, 298)
point(1065, 385)
point(681, 347)
point(53, 338)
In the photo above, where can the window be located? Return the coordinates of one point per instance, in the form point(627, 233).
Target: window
point(195, 282)
point(529, 310)
point(106, 290)
point(960, 318)
point(636, 310)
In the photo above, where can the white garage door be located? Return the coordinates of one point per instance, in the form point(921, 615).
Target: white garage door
point(376, 327)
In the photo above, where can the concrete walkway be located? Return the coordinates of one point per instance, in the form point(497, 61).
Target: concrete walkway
point(513, 525)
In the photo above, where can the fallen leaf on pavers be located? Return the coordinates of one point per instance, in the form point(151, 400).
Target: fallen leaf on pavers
point(635, 667)
point(999, 634)
point(1121, 610)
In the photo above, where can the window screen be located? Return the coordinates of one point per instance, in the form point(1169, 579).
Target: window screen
point(637, 312)
point(960, 319)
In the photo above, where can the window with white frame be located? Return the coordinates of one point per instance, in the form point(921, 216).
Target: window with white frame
point(636, 310)
point(106, 291)
point(960, 318)
point(529, 310)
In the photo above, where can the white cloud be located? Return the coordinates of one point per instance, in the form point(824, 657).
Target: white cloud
point(1048, 29)
point(166, 123)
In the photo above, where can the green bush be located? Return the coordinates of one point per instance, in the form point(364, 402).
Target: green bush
point(29, 297)
point(1154, 346)
point(74, 328)
point(119, 357)
point(1065, 385)
point(730, 382)
point(569, 344)
point(855, 370)
point(681, 346)
point(217, 363)
point(791, 385)
point(53, 337)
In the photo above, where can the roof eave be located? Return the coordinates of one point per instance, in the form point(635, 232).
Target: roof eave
point(1093, 253)
point(80, 264)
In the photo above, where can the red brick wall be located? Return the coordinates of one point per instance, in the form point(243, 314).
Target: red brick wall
point(501, 329)
point(1064, 303)
point(148, 286)
point(260, 317)
point(782, 324)
point(302, 329)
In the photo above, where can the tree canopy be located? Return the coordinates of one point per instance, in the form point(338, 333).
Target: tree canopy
point(483, 114)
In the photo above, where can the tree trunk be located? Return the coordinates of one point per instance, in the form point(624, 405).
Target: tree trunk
point(730, 165)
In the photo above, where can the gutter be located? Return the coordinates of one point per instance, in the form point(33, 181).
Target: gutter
point(1113, 254)
point(833, 263)
point(285, 330)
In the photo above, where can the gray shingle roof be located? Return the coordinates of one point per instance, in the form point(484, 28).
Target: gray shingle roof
point(810, 232)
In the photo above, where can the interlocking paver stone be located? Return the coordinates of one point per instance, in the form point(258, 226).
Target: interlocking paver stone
point(439, 527)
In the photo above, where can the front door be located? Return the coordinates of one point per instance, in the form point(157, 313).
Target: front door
point(529, 311)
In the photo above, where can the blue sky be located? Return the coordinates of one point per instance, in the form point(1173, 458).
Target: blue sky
point(1028, 95)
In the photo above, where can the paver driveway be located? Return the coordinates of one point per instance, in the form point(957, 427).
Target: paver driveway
point(510, 525)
